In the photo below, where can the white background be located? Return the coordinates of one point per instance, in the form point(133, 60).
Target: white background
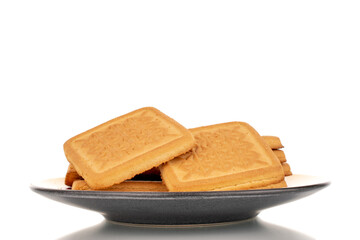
point(289, 68)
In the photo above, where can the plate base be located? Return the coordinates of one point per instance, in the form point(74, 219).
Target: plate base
point(184, 222)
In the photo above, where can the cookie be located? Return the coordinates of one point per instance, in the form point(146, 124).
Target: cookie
point(286, 169)
point(280, 155)
point(123, 147)
point(273, 141)
point(71, 176)
point(127, 186)
point(280, 184)
point(230, 156)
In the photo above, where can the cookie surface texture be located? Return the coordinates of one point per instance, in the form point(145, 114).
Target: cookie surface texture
point(229, 156)
point(125, 146)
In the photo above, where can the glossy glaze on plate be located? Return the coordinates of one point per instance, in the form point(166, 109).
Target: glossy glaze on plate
point(180, 208)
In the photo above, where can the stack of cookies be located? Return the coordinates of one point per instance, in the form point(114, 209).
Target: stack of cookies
point(146, 150)
point(276, 145)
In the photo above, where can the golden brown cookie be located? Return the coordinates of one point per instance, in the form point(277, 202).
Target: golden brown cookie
point(127, 186)
point(287, 169)
point(126, 146)
point(230, 156)
point(280, 155)
point(281, 184)
point(273, 141)
point(71, 176)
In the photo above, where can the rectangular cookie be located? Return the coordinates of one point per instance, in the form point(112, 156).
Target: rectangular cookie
point(273, 142)
point(71, 176)
point(280, 155)
point(286, 168)
point(280, 184)
point(149, 175)
point(126, 146)
point(127, 186)
point(230, 156)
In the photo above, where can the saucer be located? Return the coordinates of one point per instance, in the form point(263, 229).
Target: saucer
point(181, 208)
